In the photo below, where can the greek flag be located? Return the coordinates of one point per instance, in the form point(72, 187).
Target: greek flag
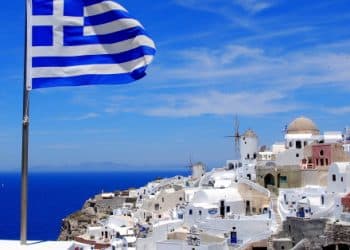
point(84, 42)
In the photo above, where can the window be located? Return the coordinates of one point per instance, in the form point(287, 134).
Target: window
point(321, 153)
point(162, 199)
point(156, 206)
point(283, 178)
point(290, 144)
point(334, 178)
point(327, 162)
point(200, 212)
point(297, 155)
point(228, 209)
point(316, 162)
point(341, 179)
point(298, 144)
point(322, 162)
point(305, 143)
point(190, 212)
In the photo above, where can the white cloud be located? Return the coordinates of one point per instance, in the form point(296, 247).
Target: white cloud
point(218, 103)
point(239, 12)
point(251, 6)
point(236, 64)
point(87, 116)
point(254, 6)
point(219, 57)
point(339, 110)
point(91, 115)
point(62, 146)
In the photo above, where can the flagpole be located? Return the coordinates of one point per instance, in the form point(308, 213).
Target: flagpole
point(24, 175)
point(25, 142)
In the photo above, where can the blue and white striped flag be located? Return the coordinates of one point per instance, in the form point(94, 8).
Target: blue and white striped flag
point(84, 42)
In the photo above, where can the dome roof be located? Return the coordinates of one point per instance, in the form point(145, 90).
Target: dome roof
point(249, 133)
point(302, 125)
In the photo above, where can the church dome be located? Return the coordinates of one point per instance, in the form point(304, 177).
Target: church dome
point(302, 125)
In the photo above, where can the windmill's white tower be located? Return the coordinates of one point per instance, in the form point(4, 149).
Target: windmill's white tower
point(198, 170)
point(249, 145)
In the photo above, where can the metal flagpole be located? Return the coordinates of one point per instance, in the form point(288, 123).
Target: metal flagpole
point(25, 141)
point(24, 177)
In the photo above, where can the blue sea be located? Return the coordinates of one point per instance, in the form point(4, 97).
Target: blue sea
point(53, 196)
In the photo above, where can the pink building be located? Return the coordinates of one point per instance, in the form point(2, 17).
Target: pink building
point(321, 155)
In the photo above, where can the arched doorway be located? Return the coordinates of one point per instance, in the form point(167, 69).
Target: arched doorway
point(269, 180)
point(231, 166)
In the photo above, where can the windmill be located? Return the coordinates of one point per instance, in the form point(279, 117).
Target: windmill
point(197, 169)
point(236, 136)
point(190, 165)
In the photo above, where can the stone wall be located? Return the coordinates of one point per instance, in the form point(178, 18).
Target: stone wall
point(317, 233)
point(337, 233)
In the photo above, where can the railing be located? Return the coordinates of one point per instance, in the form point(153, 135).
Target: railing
point(255, 186)
point(264, 158)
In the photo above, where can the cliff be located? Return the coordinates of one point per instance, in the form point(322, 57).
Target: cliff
point(93, 210)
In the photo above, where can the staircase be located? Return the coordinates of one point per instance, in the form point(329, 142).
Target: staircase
point(277, 217)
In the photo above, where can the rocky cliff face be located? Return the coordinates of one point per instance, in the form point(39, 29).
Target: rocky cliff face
point(92, 212)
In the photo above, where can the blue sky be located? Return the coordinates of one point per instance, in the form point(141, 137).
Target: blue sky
point(266, 61)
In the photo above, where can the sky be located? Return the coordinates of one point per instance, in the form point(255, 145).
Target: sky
point(266, 62)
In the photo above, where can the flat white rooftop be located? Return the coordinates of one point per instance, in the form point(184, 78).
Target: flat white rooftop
point(35, 245)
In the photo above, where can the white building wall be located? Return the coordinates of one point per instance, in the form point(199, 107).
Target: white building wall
point(278, 148)
point(246, 229)
point(346, 147)
point(160, 232)
point(290, 157)
point(182, 245)
point(249, 148)
point(304, 139)
point(248, 170)
point(339, 177)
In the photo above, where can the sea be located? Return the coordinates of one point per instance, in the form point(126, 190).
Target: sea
point(53, 196)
